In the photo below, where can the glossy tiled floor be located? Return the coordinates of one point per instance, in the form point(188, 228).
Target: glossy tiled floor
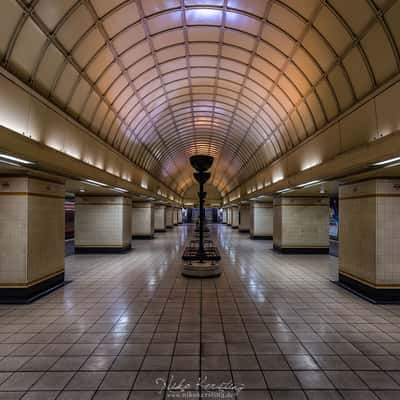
point(273, 324)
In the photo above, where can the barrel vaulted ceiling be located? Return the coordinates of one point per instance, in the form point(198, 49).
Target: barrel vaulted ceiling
point(242, 80)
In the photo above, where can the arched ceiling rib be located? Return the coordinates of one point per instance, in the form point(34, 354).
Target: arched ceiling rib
point(160, 80)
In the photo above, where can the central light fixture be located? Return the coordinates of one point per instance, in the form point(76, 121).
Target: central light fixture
point(201, 256)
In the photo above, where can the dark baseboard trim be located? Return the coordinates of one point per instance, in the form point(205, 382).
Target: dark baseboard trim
point(160, 230)
point(235, 227)
point(244, 230)
point(370, 293)
point(142, 237)
point(302, 250)
point(261, 237)
point(170, 227)
point(103, 250)
point(26, 295)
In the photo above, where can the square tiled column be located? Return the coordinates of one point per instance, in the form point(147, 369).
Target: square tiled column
point(174, 216)
point(180, 217)
point(369, 238)
point(235, 217)
point(244, 218)
point(301, 224)
point(142, 220)
point(224, 215)
point(102, 224)
point(229, 216)
point(169, 217)
point(31, 238)
point(160, 218)
point(261, 220)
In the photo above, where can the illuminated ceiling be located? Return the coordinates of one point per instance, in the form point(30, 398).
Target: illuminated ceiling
point(242, 80)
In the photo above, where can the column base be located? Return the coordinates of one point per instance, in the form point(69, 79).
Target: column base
point(235, 227)
point(140, 237)
point(160, 230)
point(170, 227)
point(377, 295)
point(302, 250)
point(261, 237)
point(102, 250)
point(28, 294)
point(244, 230)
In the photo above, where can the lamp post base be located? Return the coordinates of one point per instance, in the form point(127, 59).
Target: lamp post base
point(205, 269)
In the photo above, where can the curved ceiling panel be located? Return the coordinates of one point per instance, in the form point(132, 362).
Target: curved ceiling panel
point(160, 80)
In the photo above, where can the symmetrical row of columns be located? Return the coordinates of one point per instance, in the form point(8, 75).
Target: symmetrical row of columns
point(369, 234)
point(296, 224)
point(32, 233)
point(256, 218)
point(107, 224)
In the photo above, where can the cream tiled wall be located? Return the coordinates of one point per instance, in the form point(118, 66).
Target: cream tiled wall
point(31, 230)
point(261, 219)
point(301, 222)
point(244, 219)
point(142, 219)
point(369, 215)
point(102, 221)
point(180, 217)
point(235, 217)
point(160, 218)
point(277, 226)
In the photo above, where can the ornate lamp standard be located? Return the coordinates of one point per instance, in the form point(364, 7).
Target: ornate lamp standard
point(201, 261)
point(201, 164)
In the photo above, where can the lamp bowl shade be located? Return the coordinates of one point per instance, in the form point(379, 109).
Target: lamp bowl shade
point(201, 163)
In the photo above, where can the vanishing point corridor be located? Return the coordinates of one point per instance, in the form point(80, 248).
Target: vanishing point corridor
point(271, 326)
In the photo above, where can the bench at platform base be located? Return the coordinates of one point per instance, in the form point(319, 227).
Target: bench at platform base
point(302, 250)
point(24, 294)
point(102, 249)
point(375, 294)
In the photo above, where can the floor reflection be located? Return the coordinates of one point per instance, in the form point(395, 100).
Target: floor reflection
point(274, 325)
